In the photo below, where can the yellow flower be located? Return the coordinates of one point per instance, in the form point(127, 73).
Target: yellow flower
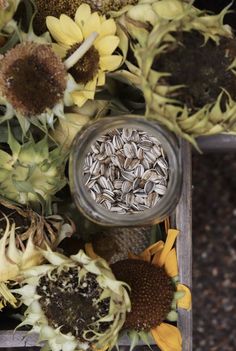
point(90, 69)
point(163, 255)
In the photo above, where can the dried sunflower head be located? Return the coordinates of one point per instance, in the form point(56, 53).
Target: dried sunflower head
point(21, 232)
point(187, 73)
point(93, 302)
point(32, 83)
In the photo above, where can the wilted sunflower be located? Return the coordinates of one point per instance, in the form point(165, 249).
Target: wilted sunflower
point(31, 173)
point(187, 73)
point(93, 302)
point(155, 294)
point(89, 71)
point(21, 231)
point(32, 84)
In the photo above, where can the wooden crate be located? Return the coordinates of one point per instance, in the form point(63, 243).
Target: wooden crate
point(182, 219)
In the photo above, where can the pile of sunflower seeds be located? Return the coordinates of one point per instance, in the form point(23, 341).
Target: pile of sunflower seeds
point(126, 171)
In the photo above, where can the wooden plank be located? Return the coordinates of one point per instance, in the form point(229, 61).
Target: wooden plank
point(184, 242)
point(217, 143)
point(9, 339)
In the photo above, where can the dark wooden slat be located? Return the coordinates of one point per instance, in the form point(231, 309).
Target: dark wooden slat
point(217, 143)
point(184, 243)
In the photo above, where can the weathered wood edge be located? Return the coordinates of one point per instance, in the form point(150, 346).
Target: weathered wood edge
point(183, 219)
point(184, 242)
point(217, 143)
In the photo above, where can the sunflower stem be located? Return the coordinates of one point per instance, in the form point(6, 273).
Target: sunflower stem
point(76, 56)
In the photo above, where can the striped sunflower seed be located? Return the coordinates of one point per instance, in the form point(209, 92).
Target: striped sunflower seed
point(129, 150)
point(126, 187)
point(126, 171)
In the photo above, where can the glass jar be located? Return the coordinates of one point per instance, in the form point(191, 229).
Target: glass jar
point(97, 213)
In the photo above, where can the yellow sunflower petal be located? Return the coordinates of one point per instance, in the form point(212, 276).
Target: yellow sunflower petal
point(55, 29)
point(108, 27)
point(110, 63)
point(145, 255)
point(82, 14)
point(156, 247)
point(59, 50)
point(71, 29)
point(107, 45)
point(156, 250)
point(167, 337)
point(171, 236)
point(133, 256)
point(101, 78)
point(171, 264)
point(90, 252)
point(78, 98)
point(185, 301)
point(92, 24)
point(89, 89)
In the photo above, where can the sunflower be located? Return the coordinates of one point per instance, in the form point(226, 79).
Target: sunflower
point(21, 232)
point(33, 80)
point(90, 70)
point(93, 302)
point(155, 293)
point(188, 98)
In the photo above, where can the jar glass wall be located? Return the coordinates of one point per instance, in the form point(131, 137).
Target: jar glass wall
point(93, 210)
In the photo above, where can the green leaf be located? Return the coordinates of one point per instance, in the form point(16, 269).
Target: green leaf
point(5, 160)
point(13, 143)
point(42, 149)
point(134, 339)
point(11, 42)
point(146, 338)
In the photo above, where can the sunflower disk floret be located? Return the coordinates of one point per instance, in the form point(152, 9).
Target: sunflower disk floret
point(93, 302)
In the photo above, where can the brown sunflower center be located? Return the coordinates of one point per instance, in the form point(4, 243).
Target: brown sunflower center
point(109, 5)
point(78, 301)
point(151, 293)
point(87, 67)
point(57, 7)
point(32, 78)
point(53, 8)
point(203, 68)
